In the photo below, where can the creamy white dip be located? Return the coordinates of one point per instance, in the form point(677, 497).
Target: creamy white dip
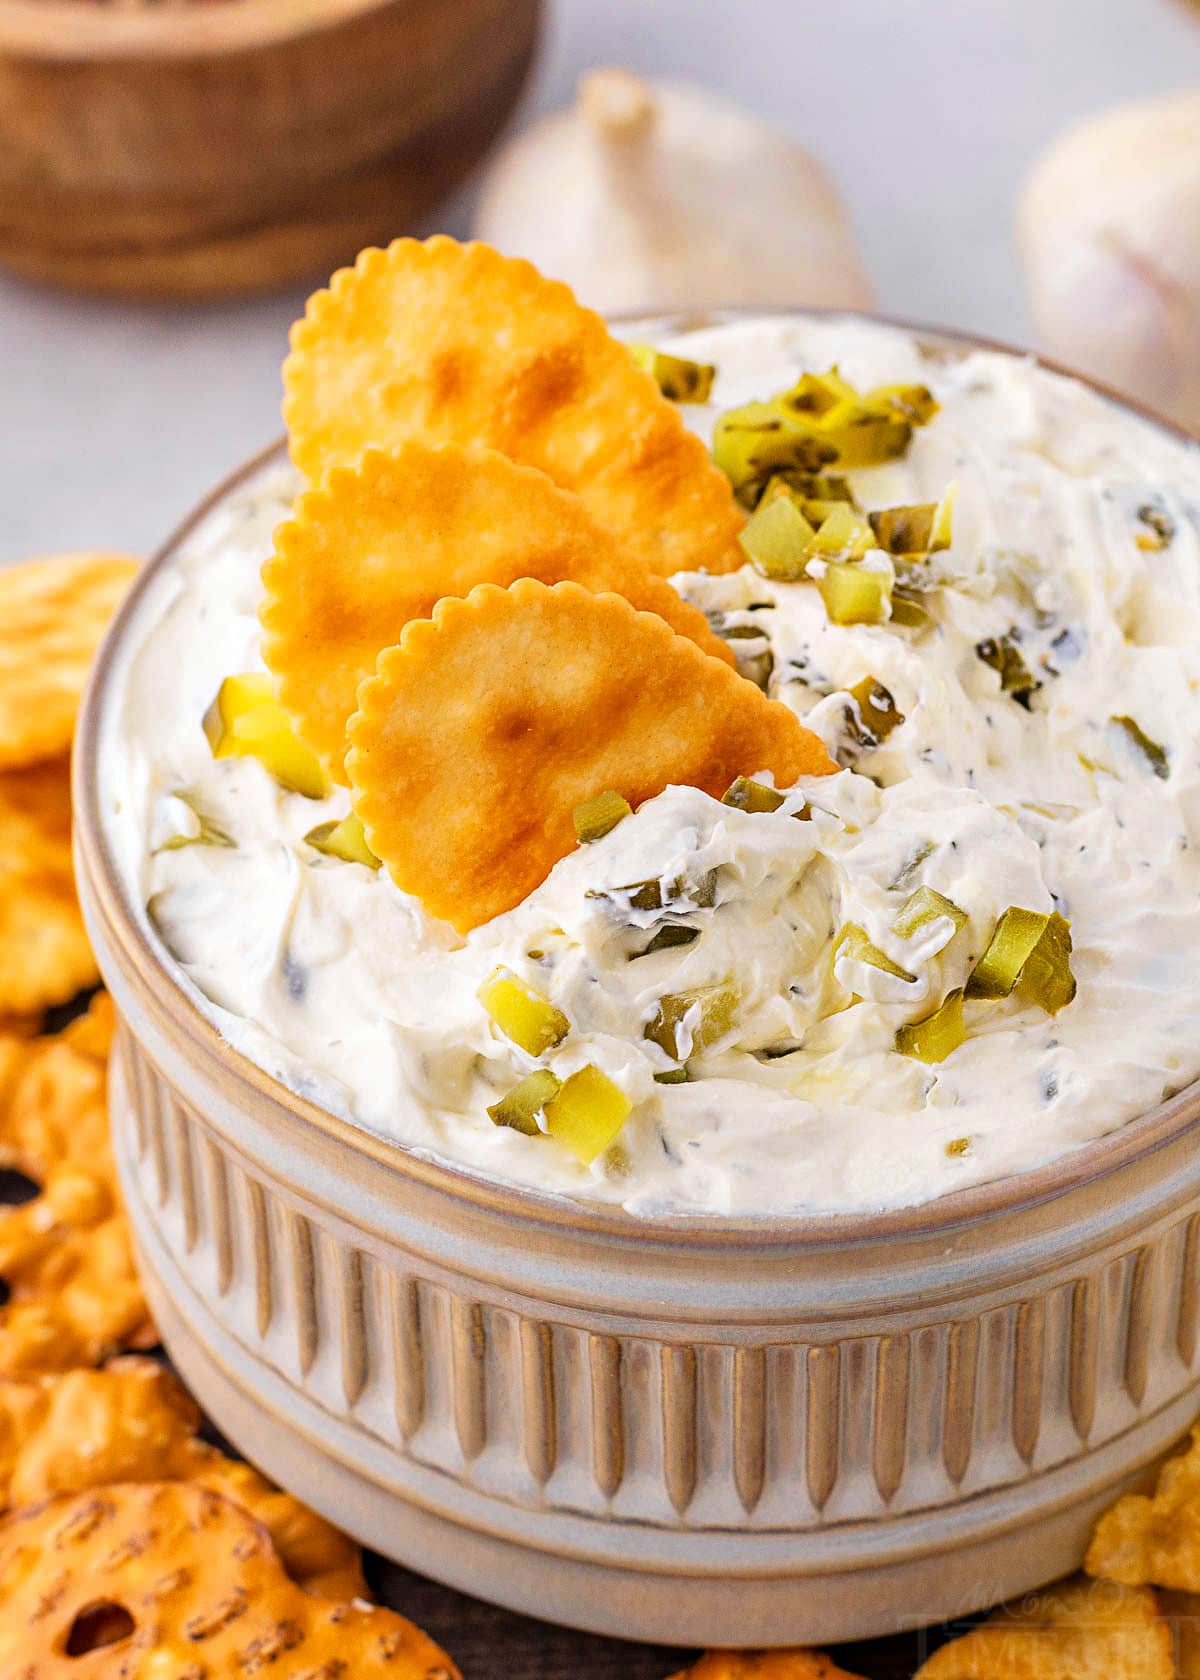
point(340, 986)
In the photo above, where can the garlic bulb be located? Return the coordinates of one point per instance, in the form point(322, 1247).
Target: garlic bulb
point(660, 195)
point(1110, 233)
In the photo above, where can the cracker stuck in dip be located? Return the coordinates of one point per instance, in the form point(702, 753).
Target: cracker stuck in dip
point(968, 951)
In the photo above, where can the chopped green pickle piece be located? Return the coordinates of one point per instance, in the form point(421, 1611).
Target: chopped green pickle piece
point(934, 1038)
point(531, 1021)
point(776, 539)
point(942, 534)
point(746, 795)
point(663, 895)
point(922, 909)
point(681, 380)
point(208, 832)
point(521, 1107)
point(877, 710)
point(702, 891)
point(904, 530)
point(756, 664)
point(672, 1076)
point(853, 942)
point(668, 938)
point(247, 721)
point(1046, 978)
point(1154, 755)
point(709, 1012)
point(910, 614)
point(921, 528)
point(671, 938)
point(863, 436)
point(587, 1114)
point(817, 494)
point(1030, 949)
point(911, 864)
point(1004, 655)
point(753, 442)
point(344, 840)
point(1160, 528)
point(816, 394)
point(958, 1146)
point(598, 816)
point(1009, 949)
point(821, 420)
point(818, 512)
point(854, 594)
point(916, 401)
point(842, 532)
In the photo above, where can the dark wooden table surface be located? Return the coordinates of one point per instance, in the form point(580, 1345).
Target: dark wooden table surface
point(491, 1644)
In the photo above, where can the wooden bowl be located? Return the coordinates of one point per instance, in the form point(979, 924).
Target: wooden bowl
point(225, 146)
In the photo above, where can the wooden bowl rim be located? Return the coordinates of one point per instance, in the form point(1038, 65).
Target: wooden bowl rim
point(76, 30)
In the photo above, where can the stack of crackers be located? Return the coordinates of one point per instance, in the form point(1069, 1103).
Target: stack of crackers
point(130, 1547)
point(468, 616)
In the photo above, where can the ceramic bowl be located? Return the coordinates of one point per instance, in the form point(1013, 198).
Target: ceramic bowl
point(692, 1430)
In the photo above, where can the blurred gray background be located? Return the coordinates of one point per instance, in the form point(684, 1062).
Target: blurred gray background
point(115, 418)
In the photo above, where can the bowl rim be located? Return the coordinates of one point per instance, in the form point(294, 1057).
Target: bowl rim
point(73, 30)
point(1010, 1194)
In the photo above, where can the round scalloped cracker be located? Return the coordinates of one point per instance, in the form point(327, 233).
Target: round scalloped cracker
point(489, 723)
point(54, 612)
point(133, 1421)
point(168, 1579)
point(45, 957)
point(1073, 1630)
point(454, 343)
point(382, 543)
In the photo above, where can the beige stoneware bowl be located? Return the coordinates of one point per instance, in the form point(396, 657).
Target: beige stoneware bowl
point(694, 1431)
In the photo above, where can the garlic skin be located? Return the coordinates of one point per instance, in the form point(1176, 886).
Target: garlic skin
point(659, 195)
point(1109, 225)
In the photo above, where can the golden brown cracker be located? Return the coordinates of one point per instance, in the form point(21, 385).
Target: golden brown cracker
point(1181, 1611)
point(788, 1663)
point(132, 1581)
point(72, 1430)
point(1154, 1540)
point(317, 1556)
point(72, 1294)
point(54, 1108)
point(381, 543)
point(67, 1263)
point(20, 1026)
point(45, 957)
point(455, 343)
point(491, 721)
point(133, 1421)
point(1075, 1630)
point(54, 612)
